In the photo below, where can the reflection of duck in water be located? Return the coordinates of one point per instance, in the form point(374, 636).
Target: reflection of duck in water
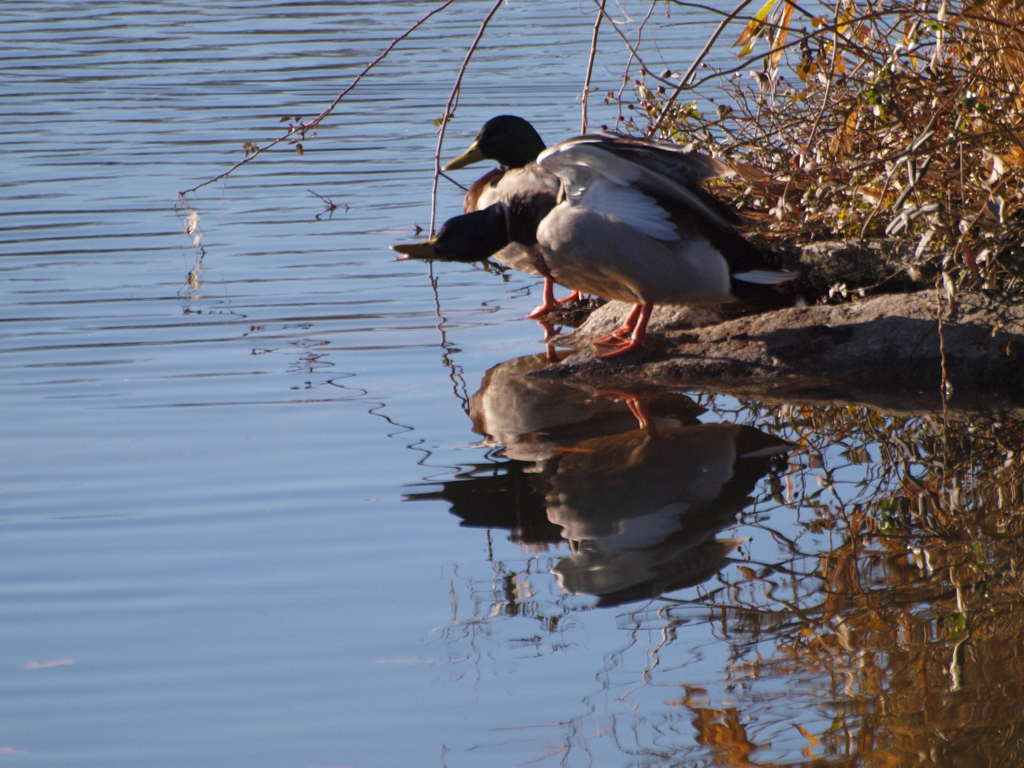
point(535, 418)
point(639, 508)
point(641, 511)
point(500, 494)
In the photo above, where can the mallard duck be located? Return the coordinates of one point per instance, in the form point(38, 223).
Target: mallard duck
point(631, 225)
point(515, 144)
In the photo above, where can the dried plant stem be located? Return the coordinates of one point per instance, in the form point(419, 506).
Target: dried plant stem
point(912, 149)
point(590, 62)
point(945, 387)
point(878, 204)
point(825, 97)
point(303, 127)
point(449, 109)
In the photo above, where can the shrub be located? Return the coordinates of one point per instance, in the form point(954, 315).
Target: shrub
point(899, 119)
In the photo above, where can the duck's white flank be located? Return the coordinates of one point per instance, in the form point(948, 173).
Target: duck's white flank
point(764, 276)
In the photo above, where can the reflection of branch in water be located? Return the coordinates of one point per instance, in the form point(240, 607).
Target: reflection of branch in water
point(487, 614)
point(376, 410)
point(454, 371)
point(309, 361)
point(873, 618)
point(330, 206)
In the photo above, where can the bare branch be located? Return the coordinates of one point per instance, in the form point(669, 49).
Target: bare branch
point(633, 52)
point(254, 150)
point(449, 109)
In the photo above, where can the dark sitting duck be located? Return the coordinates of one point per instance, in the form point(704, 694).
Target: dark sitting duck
point(631, 225)
point(519, 182)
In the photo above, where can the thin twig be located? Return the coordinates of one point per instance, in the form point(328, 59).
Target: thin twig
point(449, 109)
point(913, 148)
point(825, 96)
point(633, 54)
point(302, 128)
point(945, 386)
point(590, 61)
point(463, 187)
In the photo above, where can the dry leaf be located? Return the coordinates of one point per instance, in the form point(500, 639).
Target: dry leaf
point(1015, 157)
point(191, 222)
point(842, 142)
point(752, 31)
point(779, 41)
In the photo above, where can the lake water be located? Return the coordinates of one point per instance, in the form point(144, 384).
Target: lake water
point(302, 508)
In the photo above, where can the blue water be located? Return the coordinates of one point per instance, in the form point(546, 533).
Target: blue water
point(246, 520)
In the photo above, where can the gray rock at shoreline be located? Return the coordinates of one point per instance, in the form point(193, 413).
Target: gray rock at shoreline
point(886, 348)
point(874, 266)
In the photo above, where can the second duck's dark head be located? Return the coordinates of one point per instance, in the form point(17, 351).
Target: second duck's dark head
point(471, 237)
point(510, 140)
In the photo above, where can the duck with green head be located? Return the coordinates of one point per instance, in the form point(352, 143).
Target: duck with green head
point(632, 224)
point(515, 145)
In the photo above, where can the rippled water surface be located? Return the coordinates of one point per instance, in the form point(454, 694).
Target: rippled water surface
point(279, 499)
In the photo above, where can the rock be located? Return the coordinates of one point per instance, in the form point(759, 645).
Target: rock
point(574, 313)
point(885, 346)
point(875, 266)
point(613, 314)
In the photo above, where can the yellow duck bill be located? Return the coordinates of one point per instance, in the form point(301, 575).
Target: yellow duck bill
point(472, 155)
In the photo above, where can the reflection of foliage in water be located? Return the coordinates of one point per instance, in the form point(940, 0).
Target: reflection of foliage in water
point(882, 630)
point(911, 611)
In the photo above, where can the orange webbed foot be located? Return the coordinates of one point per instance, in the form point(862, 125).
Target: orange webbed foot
point(615, 346)
point(616, 342)
point(612, 339)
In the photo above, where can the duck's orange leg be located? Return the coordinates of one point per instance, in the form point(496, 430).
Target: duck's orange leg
point(549, 302)
point(615, 342)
